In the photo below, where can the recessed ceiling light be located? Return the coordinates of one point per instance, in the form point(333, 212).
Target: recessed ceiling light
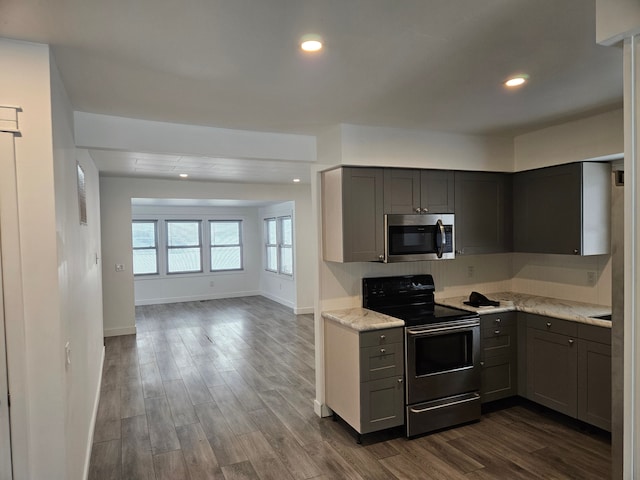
point(516, 80)
point(296, 180)
point(184, 175)
point(311, 43)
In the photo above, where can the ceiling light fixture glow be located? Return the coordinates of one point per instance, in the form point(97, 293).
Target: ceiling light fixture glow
point(184, 175)
point(296, 180)
point(311, 43)
point(516, 80)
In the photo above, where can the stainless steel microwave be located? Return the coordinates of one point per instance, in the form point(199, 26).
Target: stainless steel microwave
point(409, 238)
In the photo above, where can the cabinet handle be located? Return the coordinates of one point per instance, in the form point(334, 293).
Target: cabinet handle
point(381, 258)
point(576, 251)
point(417, 209)
point(497, 320)
point(399, 380)
point(425, 210)
point(482, 364)
point(571, 341)
point(548, 324)
point(497, 332)
point(382, 350)
point(382, 337)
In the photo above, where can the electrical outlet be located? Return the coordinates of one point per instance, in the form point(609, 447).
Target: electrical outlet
point(471, 270)
point(119, 267)
point(591, 278)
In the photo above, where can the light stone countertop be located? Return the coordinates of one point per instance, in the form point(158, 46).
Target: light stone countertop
point(550, 307)
point(362, 319)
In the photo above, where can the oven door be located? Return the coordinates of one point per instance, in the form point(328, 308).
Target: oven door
point(442, 359)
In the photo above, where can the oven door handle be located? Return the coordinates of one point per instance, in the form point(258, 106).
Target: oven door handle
point(443, 405)
point(443, 239)
point(437, 330)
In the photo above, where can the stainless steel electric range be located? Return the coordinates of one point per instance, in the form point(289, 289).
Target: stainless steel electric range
point(442, 352)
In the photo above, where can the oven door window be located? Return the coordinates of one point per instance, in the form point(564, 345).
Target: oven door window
point(442, 353)
point(412, 239)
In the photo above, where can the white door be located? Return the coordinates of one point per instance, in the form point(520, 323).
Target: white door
point(5, 433)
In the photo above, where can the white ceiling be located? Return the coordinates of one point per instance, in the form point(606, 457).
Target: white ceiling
point(434, 64)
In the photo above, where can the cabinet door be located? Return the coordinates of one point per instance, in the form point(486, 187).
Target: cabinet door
point(483, 212)
point(362, 214)
point(382, 403)
point(552, 363)
point(499, 377)
point(401, 191)
point(548, 210)
point(437, 191)
point(594, 383)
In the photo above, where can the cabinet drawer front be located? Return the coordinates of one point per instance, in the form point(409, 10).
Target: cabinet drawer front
point(552, 325)
point(498, 320)
point(498, 341)
point(381, 337)
point(595, 334)
point(381, 362)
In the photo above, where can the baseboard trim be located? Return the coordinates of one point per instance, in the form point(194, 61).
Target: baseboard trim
point(114, 332)
point(277, 299)
point(94, 416)
point(321, 409)
point(303, 310)
point(194, 298)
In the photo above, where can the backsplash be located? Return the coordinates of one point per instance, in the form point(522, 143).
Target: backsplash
point(582, 279)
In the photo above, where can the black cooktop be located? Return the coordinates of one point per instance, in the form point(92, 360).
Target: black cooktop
point(409, 298)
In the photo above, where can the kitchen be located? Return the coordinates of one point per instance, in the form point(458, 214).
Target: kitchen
point(338, 285)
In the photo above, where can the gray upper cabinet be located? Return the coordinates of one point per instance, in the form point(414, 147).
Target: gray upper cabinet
point(418, 191)
point(483, 207)
point(563, 209)
point(352, 215)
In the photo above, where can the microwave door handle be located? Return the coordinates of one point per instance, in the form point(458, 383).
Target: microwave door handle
point(443, 239)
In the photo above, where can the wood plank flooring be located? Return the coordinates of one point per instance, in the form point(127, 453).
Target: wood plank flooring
point(224, 389)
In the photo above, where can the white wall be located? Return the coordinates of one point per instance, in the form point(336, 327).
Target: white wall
point(79, 281)
point(381, 146)
point(155, 289)
point(116, 194)
point(592, 137)
point(54, 273)
point(281, 288)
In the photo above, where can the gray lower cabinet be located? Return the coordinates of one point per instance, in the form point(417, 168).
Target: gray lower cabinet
point(352, 214)
point(483, 212)
point(568, 368)
point(498, 356)
point(594, 382)
point(563, 209)
point(364, 376)
point(409, 191)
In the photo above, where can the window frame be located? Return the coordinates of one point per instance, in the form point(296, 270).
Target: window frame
point(156, 247)
point(268, 245)
point(279, 245)
point(240, 245)
point(282, 245)
point(168, 247)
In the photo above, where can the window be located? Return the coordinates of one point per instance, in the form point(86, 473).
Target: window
point(226, 245)
point(184, 247)
point(286, 245)
point(279, 245)
point(145, 247)
point(271, 244)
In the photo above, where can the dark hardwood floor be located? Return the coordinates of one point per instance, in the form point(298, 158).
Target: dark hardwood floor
point(224, 389)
